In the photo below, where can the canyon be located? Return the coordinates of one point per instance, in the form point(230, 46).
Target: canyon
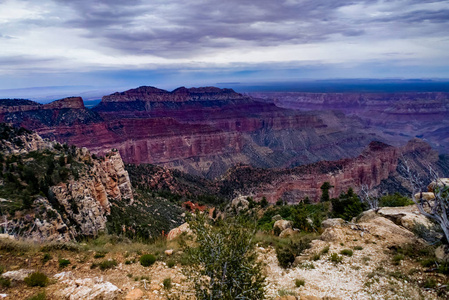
point(396, 117)
point(205, 131)
point(201, 131)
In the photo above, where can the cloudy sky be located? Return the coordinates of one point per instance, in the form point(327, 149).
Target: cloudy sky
point(115, 43)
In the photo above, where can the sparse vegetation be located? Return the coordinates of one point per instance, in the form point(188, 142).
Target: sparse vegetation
point(347, 252)
point(299, 282)
point(107, 264)
point(335, 258)
point(225, 252)
point(63, 262)
point(37, 279)
point(147, 260)
point(167, 283)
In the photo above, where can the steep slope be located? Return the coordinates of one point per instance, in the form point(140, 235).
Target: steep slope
point(54, 192)
point(379, 166)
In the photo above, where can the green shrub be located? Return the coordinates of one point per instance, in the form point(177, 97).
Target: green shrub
point(36, 279)
point(147, 260)
point(277, 231)
point(443, 268)
point(227, 259)
point(347, 252)
point(397, 259)
point(5, 282)
point(358, 248)
point(46, 257)
point(394, 200)
point(171, 263)
point(100, 254)
point(335, 258)
point(300, 282)
point(346, 206)
point(63, 262)
point(325, 250)
point(427, 262)
point(316, 256)
point(40, 296)
point(107, 264)
point(285, 256)
point(167, 283)
point(430, 283)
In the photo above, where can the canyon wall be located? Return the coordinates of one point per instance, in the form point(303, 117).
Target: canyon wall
point(396, 117)
point(202, 131)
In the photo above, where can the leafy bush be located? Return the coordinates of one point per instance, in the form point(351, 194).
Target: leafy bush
point(107, 264)
point(285, 256)
point(397, 259)
point(63, 262)
point(167, 283)
point(46, 257)
point(394, 200)
point(300, 282)
point(171, 263)
point(147, 260)
point(36, 279)
point(430, 283)
point(100, 254)
point(347, 206)
point(225, 253)
point(335, 258)
point(347, 252)
point(5, 282)
point(358, 248)
point(325, 250)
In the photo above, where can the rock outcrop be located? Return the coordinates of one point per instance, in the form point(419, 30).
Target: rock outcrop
point(76, 205)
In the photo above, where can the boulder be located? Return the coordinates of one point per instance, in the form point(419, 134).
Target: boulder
point(442, 253)
point(425, 195)
point(440, 182)
point(332, 222)
point(240, 203)
point(283, 224)
point(287, 232)
point(134, 295)
point(169, 252)
point(175, 232)
point(366, 216)
point(18, 275)
point(87, 289)
point(276, 218)
point(388, 231)
point(333, 234)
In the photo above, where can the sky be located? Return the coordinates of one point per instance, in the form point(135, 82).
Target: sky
point(83, 45)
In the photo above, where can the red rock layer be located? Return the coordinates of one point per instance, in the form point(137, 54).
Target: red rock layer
point(375, 164)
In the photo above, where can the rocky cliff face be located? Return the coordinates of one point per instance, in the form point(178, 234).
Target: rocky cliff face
point(202, 131)
point(69, 196)
point(375, 164)
point(396, 117)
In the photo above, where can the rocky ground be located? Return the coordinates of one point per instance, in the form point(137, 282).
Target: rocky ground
point(373, 258)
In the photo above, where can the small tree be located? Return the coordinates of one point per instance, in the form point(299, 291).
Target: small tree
point(325, 191)
point(225, 254)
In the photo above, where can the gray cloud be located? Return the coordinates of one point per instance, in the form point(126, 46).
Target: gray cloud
point(187, 28)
